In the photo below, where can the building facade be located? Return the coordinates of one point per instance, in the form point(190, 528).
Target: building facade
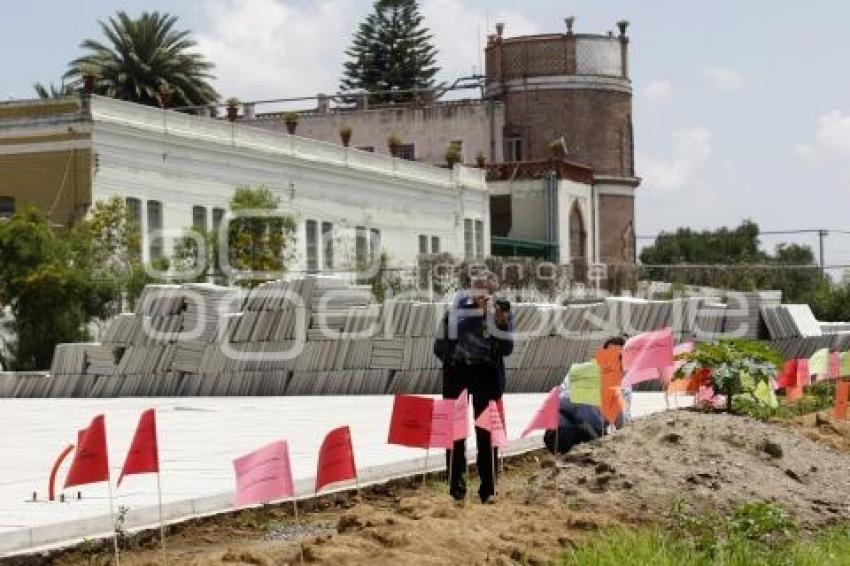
point(176, 171)
point(566, 92)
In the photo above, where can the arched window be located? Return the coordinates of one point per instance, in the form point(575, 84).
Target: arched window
point(7, 207)
point(578, 235)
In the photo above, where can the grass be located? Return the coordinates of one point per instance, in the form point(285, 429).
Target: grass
point(755, 534)
point(625, 547)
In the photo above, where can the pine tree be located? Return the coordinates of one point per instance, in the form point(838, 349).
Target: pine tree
point(391, 50)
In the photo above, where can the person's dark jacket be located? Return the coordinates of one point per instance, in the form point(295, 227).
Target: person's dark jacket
point(472, 343)
point(578, 423)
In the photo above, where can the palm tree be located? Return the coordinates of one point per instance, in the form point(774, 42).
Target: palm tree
point(143, 57)
point(52, 91)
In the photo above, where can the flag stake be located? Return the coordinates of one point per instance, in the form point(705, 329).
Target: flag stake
point(161, 523)
point(298, 525)
point(112, 519)
point(451, 463)
point(425, 473)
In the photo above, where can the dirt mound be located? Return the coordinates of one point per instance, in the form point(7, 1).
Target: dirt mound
point(711, 462)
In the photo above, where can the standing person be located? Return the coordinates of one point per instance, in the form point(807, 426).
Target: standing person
point(473, 339)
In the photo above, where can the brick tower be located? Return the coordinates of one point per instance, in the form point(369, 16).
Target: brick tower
point(573, 90)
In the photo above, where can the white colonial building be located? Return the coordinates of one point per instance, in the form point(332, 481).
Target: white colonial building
point(177, 170)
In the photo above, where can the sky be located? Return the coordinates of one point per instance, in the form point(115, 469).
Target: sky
point(742, 109)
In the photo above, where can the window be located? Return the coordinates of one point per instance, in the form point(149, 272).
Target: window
point(513, 149)
point(479, 238)
point(312, 247)
point(374, 244)
point(361, 247)
point(578, 235)
point(134, 210)
point(468, 244)
point(218, 218)
point(424, 242)
point(407, 151)
point(369, 148)
point(328, 245)
point(199, 218)
point(7, 207)
point(154, 227)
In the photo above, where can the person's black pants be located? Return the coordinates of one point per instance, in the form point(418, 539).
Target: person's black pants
point(483, 386)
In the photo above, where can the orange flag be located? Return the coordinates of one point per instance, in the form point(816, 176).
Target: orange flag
point(612, 404)
point(842, 396)
point(793, 394)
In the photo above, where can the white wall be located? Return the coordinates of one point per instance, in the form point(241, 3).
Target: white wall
point(192, 162)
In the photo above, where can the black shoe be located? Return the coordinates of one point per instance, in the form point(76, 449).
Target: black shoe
point(488, 499)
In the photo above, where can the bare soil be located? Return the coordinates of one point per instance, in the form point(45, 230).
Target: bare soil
point(708, 462)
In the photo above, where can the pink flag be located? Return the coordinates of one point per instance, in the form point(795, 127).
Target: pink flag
point(460, 421)
point(491, 420)
point(645, 354)
point(834, 367)
point(264, 475)
point(442, 429)
point(670, 371)
point(547, 415)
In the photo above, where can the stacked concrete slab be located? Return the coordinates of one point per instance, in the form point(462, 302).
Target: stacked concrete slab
point(205, 340)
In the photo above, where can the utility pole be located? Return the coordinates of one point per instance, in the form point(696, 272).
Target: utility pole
point(821, 235)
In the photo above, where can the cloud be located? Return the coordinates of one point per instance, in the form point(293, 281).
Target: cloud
point(275, 49)
point(831, 140)
point(282, 48)
point(688, 158)
point(724, 79)
point(659, 91)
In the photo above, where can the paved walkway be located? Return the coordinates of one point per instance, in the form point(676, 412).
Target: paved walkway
point(199, 438)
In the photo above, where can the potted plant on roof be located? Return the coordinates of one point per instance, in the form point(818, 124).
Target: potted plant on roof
point(345, 134)
point(557, 149)
point(165, 94)
point(453, 155)
point(394, 145)
point(232, 108)
point(89, 78)
point(480, 159)
point(291, 121)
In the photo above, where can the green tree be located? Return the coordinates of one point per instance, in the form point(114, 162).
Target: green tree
point(391, 50)
point(143, 56)
point(260, 239)
point(52, 91)
point(48, 287)
point(732, 259)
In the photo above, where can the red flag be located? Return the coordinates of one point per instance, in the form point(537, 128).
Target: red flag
point(336, 459)
point(410, 424)
point(143, 457)
point(264, 475)
point(548, 414)
point(91, 460)
point(646, 354)
point(491, 420)
point(788, 376)
point(460, 420)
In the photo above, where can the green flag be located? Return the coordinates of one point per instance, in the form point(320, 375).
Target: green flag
point(765, 395)
point(819, 362)
point(585, 383)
